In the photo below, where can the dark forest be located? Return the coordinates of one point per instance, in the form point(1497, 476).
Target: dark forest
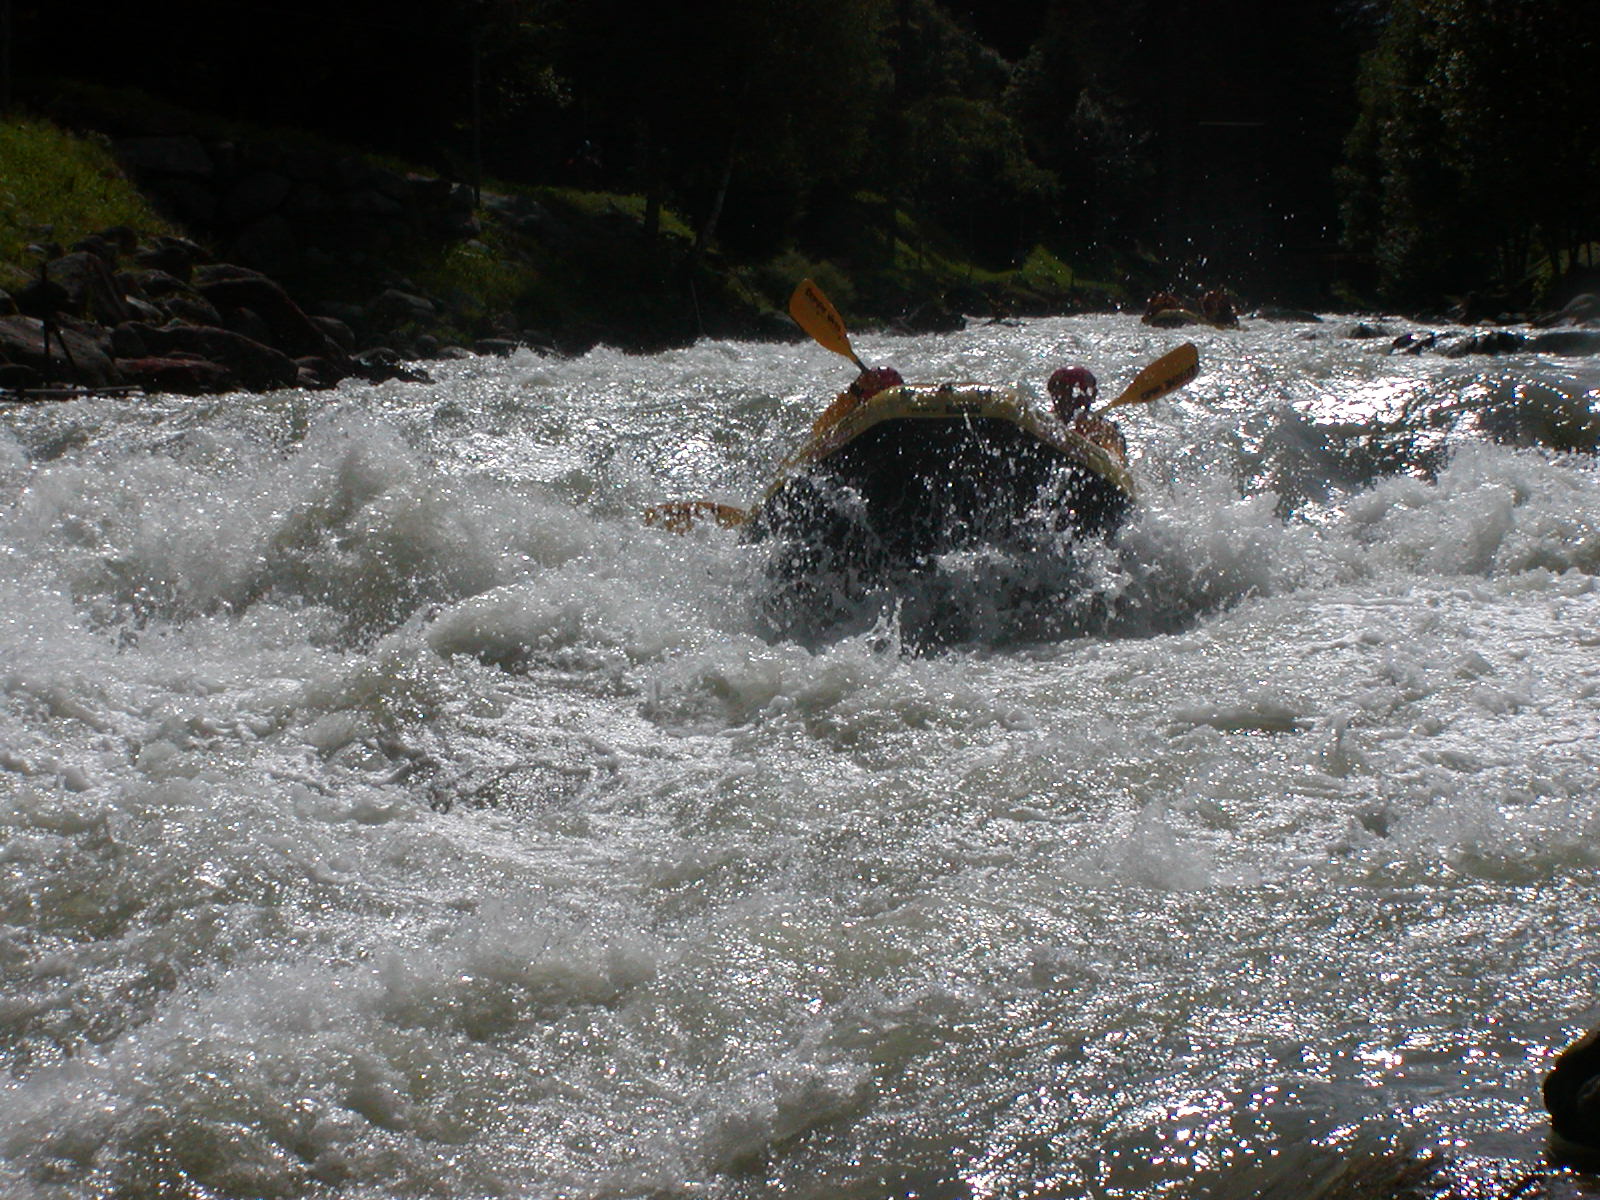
point(1406, 152)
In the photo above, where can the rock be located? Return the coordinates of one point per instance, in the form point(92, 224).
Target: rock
point(381, 363)
point(1571, 1094)
point(1567, 342)
point(187, 306)
point(142, 310)
point(75, 356)
point(1497, 341)
point(287, 326)
point(257, 367)
point(126, 342)
point(253, 197)
point(1581, 308)
point(1172, 318)
point(317, 373)
point(80, 284)
point(175, 255)
point(395, 307)
point(153, 284)
point(1363, 330)
point(1413, 343)
point(182, 155)
point(337, 332)
point(248, 322)
point(101, 247)
point(496, 347)
point(189, 200)
point(8, 304)
point(14, 377)
point(270, 243)
point(182, 374)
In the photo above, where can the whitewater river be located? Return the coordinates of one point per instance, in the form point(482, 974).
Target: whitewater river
point(385, 812)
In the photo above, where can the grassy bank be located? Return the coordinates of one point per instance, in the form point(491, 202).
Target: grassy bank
point(58, 187)
point(563, 266)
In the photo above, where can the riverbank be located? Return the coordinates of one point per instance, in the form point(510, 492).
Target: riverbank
point(136, 224)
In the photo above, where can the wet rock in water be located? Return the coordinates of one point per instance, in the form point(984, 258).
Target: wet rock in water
point(1172, 318)
point(181, 374)
point(1571, 1094)
point(497, 347)
point(1567, 342)
point(1363, 330)
point(381, 364)
point(1413, 343)
point(1497, 341)
point(257, 367)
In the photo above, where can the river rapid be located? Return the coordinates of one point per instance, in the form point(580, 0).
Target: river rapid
point(386, 812)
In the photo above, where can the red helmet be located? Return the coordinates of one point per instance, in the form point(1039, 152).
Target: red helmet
point(1073, 388)
point(876, 379)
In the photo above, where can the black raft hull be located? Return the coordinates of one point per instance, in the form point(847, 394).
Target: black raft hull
point(917, 474)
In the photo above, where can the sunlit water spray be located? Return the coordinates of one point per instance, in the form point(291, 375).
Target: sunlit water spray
point(388, 812)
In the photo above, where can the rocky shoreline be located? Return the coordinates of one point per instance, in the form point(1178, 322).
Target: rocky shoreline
point(117, 314)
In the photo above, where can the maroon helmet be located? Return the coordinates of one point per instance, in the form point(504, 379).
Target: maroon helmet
point(1073, 389)
point(877, 379)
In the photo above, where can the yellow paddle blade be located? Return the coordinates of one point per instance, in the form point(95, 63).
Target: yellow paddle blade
point(1167, 374)
point(812, 312)
point(679, 516)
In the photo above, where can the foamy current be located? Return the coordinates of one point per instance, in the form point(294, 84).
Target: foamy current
point(386, 812)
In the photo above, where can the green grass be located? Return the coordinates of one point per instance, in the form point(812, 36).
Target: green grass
point(58, 187)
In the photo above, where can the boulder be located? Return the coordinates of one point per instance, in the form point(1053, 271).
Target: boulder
point(288, 327)
point(1414, 343)
point(1496, 341)
point(1567, 342)
point(1364, 330)
point(337, 332)
point(76, 355)
point(79, 284)
point(182, 374)
point(381, 363)
point(186, 306)
point(14, 377)
point(254, 196)
point(1571, 1093)
point(395, 307)
point(258, 368)
point(1581, 308)
point(175, 255)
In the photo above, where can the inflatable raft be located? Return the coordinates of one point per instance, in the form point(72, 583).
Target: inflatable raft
point(922, 470)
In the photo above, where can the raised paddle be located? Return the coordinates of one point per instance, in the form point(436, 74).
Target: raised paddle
point(1167, 374)
point(679, 516)
point(812, 312)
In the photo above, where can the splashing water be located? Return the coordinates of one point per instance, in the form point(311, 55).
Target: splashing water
point(387, 812)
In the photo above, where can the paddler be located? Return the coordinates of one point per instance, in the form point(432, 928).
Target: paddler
point(867, 385)
point(1072, 391)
